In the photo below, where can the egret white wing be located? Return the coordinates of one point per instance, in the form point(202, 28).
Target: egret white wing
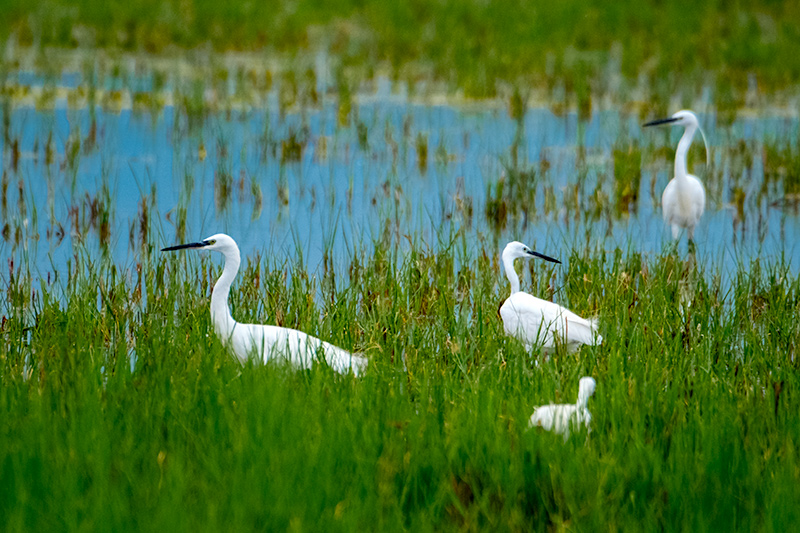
point(297, 348)
point(560, 418)
point(538, 322)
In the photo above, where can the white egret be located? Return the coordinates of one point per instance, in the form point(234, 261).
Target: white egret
point(266, 342)
point(562, 418)
point(534, 321)
point(684, 198)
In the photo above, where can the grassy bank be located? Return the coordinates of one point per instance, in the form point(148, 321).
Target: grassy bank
point(695, 416)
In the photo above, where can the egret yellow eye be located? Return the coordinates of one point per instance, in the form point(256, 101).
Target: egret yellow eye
point(212, 241)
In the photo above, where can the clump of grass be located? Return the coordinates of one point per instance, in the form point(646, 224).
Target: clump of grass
point(293, 145)
point(421, 145)
point(496, 205)
point(362, 131)
point(627, 177)
point(514, 194)
point(782, 167)
point(223, 177)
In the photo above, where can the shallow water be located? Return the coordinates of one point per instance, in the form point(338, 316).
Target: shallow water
point(304, 181)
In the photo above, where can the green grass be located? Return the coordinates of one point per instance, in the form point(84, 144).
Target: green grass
point(695, 415)
point(577, 46)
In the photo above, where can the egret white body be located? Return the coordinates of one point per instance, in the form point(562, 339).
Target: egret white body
point(563, 418)
point(266, 342)
point(684, 198)
point(537, 322)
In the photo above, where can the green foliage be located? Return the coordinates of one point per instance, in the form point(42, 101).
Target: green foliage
point(627, 177)
point(694, 425)
point(475, 46)
point(782, 166)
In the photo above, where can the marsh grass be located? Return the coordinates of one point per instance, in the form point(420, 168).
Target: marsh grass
point(695, 423)
point(119, 408)
point(627, 177)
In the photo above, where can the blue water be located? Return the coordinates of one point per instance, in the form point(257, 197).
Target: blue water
point(343, 194)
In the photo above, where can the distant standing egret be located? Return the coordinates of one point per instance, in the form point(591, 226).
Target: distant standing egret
point(534, 321)
point(684, 198)
point(266, 342)
point(562, 418)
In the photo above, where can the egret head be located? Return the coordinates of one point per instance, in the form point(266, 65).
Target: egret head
point(585, 390)
point(684, 118)
point(516, 249)
point(219, 242)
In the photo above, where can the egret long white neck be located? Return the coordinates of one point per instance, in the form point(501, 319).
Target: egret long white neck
point(583, 398)
point(220, 312)
point(683, 150)
point(513, 278)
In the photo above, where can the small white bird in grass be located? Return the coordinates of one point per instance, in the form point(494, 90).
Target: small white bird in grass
point(563, 418)
point(534, 321)
point(267, 342)
point(684, 198)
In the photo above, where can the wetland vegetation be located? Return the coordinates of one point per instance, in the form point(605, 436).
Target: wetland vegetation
point(372, 159)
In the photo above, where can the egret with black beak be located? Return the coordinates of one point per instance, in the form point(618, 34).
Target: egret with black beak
point(684, 198)
point(267, 343)
point(534, 321)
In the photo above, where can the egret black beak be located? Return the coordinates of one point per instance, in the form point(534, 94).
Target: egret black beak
point(660, 121)
point(200, 244)
point(545, 257)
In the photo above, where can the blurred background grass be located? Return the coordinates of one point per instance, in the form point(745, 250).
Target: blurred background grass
point(471, 45)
